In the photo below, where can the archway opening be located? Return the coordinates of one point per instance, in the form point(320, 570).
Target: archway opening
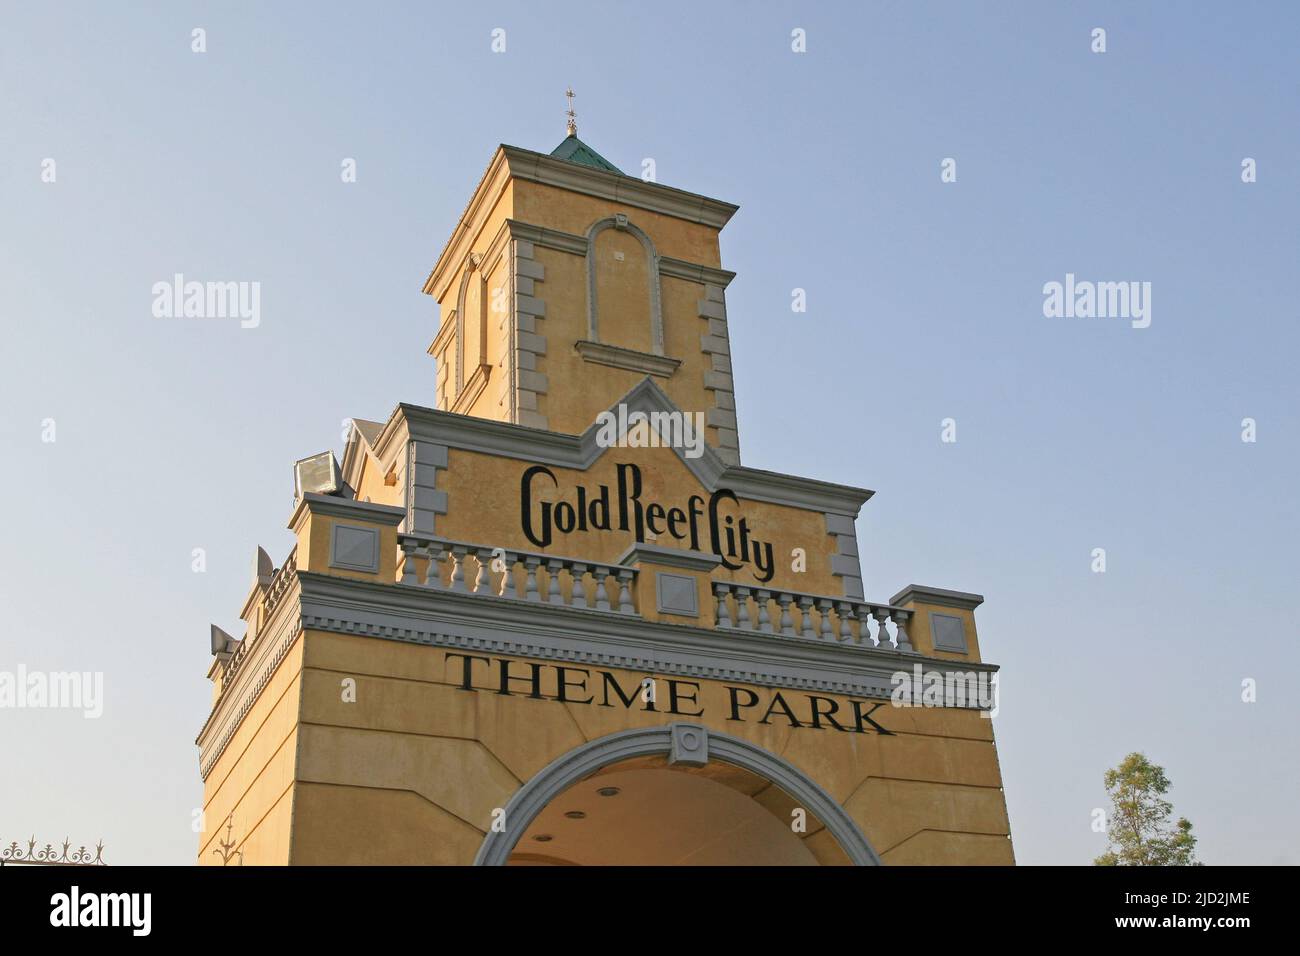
point(696, 796)
point(646, 812)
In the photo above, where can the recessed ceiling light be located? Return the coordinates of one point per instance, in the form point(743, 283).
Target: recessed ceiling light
point(543, 838)
point(576, 815)
point(609, 791)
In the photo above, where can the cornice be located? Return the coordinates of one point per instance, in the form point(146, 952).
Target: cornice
point(489, 187)
point(547, 238)
point(643, 552)
point(485, 623)
point(577, 246)
point(629, 190)
point(334, 507)
point(695, 272)
point(579, 452)
point(615, 356)
point(921, 594)
point(237, 697)
point(446, 333)
point(512, 162)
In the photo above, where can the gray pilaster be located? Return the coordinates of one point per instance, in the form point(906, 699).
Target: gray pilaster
point(527, 343)
point(844, 560)
point(424, 500)
point(717, 379)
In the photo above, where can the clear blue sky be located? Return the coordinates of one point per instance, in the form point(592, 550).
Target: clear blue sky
point(924, 303)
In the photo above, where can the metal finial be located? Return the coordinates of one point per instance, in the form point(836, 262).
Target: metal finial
point(573, 117)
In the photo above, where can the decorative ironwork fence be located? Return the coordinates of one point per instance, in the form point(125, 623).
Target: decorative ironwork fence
point(48, 855)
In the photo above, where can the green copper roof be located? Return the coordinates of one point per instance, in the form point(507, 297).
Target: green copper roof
point(575, 150)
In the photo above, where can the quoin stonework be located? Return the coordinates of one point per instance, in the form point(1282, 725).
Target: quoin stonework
point(507, 637)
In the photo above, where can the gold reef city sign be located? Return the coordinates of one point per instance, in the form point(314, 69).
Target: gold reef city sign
point(726, 536)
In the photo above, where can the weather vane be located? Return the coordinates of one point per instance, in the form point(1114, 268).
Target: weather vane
point(573, 117)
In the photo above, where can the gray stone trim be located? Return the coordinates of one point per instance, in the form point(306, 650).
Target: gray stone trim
point(664, 606)
point(718, 378)
point(685, 744)
point(547, 238)
point(628, 190)
point(638, 553)
point(333, 507)
point(920, 594)
point(526, 343)
point(622, 224)
point(469, 269)
point(580, 451)
point(424, 499)
point(942, 638)
point(231, 709)
point(716, 344)
point(577, 246)
point(695, 272)
point(486, 623)
point(689, 745)
point(844, 560)
point(371, 563)
point(602, 353)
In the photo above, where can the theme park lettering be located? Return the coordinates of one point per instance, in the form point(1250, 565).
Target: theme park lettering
point(728, 538)
point(580, 685)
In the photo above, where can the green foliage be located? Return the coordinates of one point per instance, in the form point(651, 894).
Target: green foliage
point(1140, 832)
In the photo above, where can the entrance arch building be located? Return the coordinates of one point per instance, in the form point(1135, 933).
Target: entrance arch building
point(551, 618)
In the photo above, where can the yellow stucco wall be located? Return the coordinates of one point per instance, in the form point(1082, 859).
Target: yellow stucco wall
point(483, 507)
point(251, 782)
point(579, 389)
point(574, 213)
point(412, 770)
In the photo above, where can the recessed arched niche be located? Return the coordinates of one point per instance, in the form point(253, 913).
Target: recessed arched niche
point(624, 315)
point(471, 361)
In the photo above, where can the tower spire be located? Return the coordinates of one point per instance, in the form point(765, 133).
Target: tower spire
point(572, 127)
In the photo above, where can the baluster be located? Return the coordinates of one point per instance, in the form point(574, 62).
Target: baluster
point(862, 614)
point(882, 635)
point(458, 553)
point(409, 575)
point(484, 558)
point(723, 616)
point(742, 607)
point(824, 613)
point(531, 564)
point(602, 596)
point(787, 623)
point(553, 594)
point(578, 594)
point(904, 642)
point(508, 577)
point(764, 622)
point(624, 593)
point(842, 612)
point(805, 619)
point(433, 570)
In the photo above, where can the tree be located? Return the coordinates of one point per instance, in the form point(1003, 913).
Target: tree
point(1140, 832)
